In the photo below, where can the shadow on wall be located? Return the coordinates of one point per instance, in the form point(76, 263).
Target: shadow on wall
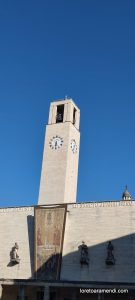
point(105, 262)
point(30, 222)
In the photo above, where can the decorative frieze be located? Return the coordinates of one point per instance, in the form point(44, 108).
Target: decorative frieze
point(16, 209)
point(103, 204)
point(75, 205)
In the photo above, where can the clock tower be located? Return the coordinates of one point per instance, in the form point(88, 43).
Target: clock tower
point(59, 173)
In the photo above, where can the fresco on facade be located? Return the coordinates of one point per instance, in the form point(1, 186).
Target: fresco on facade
point(49, 232)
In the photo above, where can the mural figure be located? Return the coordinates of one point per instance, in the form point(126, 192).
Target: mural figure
point(56, 237)
point(84, 259)
point(110, 257)
point(51, 262)
point(39, 240)
point(49, 219)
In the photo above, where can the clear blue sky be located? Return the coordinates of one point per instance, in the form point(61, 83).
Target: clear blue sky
point(81, 48)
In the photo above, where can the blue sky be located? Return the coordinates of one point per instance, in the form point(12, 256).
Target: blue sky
point(83, 49)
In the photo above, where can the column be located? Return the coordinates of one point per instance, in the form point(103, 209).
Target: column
point(46, 292)
point(21, 292)
point(0, 291)
point(74, 295)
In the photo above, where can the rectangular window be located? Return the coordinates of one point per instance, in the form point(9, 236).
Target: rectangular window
point(60, 113)
point(74, 116)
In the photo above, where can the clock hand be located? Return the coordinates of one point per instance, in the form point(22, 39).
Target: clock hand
point(56, 144)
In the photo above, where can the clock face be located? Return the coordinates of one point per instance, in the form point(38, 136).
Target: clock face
point(56, 142)
point(73, 146)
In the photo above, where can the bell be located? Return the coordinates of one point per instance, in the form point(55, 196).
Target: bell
point(59, 117)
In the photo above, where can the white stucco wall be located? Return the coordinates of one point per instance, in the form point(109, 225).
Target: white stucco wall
point(16, 225)
point(96, 224)
point(93, 223)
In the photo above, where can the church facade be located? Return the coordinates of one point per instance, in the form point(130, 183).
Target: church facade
point(60, 249)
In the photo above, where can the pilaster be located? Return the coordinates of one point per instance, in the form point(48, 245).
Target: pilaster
point(46, 292)
point(21, 292)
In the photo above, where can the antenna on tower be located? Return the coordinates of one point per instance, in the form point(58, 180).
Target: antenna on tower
point(67, 97)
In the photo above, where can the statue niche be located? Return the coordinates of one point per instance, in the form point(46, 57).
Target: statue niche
point(110, 257)
point(84, 258)
point(14, 257)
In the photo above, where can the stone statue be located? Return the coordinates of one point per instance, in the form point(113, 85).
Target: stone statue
point(110, 257)
point(84, 259)
point(14, 257)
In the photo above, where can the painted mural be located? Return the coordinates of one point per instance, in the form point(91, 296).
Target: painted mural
point(49, 232)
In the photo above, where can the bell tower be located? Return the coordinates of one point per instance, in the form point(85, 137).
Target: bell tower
point(59, 173)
